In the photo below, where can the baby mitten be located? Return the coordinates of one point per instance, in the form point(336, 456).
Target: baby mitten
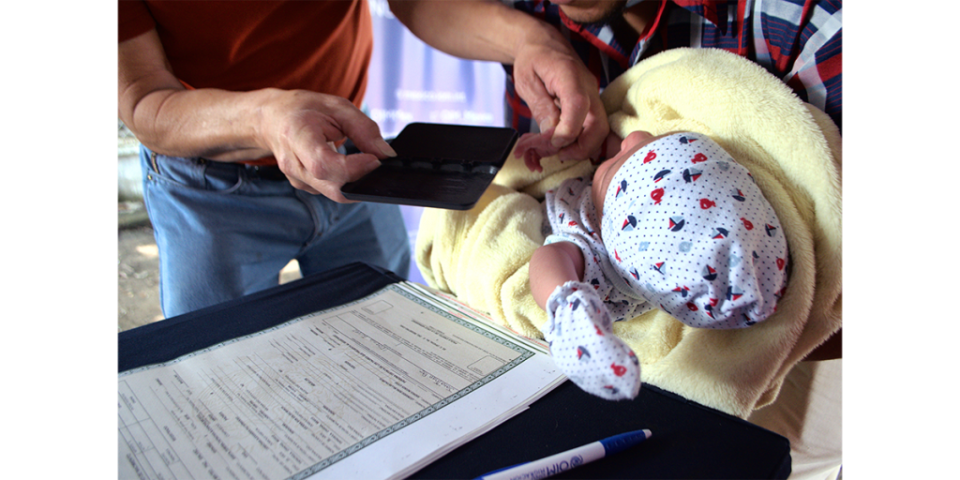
point(583, 346)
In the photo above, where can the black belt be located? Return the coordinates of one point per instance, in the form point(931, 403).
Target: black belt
point(266, 172)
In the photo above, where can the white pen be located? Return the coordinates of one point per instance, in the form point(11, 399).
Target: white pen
point(554, 464)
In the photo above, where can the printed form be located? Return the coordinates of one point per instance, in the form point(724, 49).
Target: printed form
point(374, 389)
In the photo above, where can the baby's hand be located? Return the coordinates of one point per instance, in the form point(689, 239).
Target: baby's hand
point(583, 346)
point(533, 147)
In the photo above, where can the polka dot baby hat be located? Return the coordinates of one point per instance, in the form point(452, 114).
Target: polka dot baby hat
point(687, 228)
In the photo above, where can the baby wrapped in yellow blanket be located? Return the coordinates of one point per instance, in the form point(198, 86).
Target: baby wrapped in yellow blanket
point(793, 152)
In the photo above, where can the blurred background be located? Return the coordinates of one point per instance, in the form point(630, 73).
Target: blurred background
point(409, 82)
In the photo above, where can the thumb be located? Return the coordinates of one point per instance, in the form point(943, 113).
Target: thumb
point(543, 108)
point(348, 168)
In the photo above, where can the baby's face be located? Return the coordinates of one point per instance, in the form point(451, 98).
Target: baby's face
point(605, 172)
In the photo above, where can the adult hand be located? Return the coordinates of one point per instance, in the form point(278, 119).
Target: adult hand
point(562, 95)
point(548, 74)
point(302, 129)
point(296, 126)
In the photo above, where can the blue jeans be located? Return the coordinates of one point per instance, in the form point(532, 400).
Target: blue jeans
point(225, 230)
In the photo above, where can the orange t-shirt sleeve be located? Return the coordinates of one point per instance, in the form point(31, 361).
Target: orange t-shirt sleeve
point(134, 19)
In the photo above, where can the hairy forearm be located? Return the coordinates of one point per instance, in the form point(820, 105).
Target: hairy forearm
point(476, 29)
point(170, 119)
point(207, 123)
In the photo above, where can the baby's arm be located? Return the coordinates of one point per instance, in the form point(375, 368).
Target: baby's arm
point(553, 265)
point(578, 327)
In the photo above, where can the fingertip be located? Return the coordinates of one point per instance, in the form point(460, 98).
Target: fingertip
point(547, 124)
point(341, 199)
point(562, 137)
point(385, 148)
point(338, 197)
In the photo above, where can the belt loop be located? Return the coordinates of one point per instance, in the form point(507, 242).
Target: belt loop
point(153, 161)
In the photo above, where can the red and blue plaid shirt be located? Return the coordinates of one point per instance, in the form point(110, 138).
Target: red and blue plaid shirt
point(798, 41)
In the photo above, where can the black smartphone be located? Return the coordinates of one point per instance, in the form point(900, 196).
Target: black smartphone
point(437, 166)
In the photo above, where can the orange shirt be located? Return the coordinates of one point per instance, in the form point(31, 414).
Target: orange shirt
point(247, 45)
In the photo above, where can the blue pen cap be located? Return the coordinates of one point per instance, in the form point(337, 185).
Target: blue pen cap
point(618, 443)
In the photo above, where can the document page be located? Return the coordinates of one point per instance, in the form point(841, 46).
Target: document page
point(372, 389)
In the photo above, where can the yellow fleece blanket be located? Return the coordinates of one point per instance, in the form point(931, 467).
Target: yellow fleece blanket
point(792, 149)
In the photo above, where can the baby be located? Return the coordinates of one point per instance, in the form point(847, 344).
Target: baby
point(670, 222)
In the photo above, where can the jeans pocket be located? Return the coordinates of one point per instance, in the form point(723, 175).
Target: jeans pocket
point(196, 173)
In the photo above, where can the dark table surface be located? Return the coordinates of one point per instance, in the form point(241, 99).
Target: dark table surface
point(689, 440)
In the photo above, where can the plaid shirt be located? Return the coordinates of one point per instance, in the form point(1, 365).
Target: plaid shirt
point(798, 41)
